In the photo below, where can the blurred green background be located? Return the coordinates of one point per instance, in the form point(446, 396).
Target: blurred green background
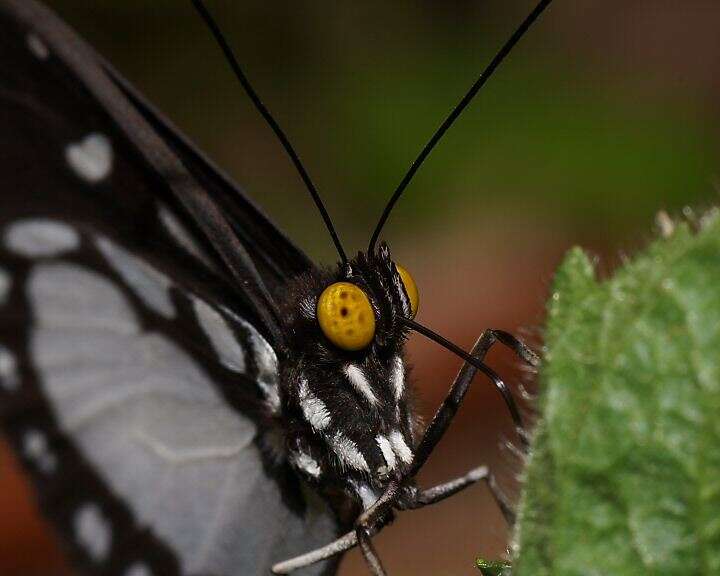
point(605, 113)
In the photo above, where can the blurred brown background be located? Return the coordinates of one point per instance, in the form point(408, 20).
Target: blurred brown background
point(606, 113)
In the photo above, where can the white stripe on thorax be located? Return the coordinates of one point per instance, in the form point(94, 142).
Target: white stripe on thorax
point(347, 452)
point(307, 464)
point(314, 409)
point(360, 382)
point(400, 447)
point(387, 451)
point(397, 377)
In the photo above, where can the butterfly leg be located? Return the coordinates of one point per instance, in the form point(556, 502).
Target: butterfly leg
point(447, 489)
point(449, 407)
point(368, 523)
point(368, 551)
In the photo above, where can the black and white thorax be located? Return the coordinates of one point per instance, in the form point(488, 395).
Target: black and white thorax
point(348, 415)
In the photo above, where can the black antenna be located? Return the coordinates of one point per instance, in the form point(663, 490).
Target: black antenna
point(265, 113)
point(499, 384)
point(440, 132)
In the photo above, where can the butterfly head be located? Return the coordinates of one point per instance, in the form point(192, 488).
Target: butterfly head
point(347, 395)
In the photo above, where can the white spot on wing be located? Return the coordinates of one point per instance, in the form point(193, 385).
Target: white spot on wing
point(397, 377)
point(151, 286)
point(360, 382)
point(5, 284)
point(182, 235)
point(37, 47)
point(347, 452)
point(92, 531)
point(36, 449)
point(400, 447)
point(8, 370)
point(92, 158)
point(314, 409)
point(387, 451)
point(222, 338)
point(41, 238)
point(138, 570)
point(307, 464)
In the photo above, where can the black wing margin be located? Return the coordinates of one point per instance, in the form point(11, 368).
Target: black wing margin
point(72, 81)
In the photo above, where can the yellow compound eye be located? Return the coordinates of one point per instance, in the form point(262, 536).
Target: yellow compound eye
point(345, 316)
point(410, 288)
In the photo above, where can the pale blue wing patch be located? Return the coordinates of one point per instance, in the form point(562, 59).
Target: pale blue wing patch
point(38, 48)
point(152, 423)
point(91, 159)
point(5, 285)
point(150, 285)
point(40, 238)
point(223, 340)
point(138, 569)
point(93, 531)
point(36, 449)
point(180, 234)
point(9, 378)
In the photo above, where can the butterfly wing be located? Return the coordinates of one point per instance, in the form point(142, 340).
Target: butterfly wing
point(138, 382)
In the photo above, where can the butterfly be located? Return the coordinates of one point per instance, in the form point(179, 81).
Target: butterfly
point(188, 392)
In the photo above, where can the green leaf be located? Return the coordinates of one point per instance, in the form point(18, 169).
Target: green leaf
point(624, 474)
point(493, 568)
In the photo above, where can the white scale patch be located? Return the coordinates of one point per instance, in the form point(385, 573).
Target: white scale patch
point(400, 447)
point(387, 450)
point(307, 308)
point(92, 531)
point(222, 338)
point(5, 284)
point(36, 449)
point(347, 452)
point(150, 285)
point(41, 238)
point(92, 158)
point(182, 235)
point(397, 377)
point(314, 409)
point(37, 47)
point(307, 464)
point(9, 379)
point(265, 361)
point(360, 383)
point(367, 495)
